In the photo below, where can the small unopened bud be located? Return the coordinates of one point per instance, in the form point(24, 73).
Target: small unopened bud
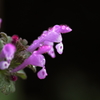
point(14, 78)
point(14, 38)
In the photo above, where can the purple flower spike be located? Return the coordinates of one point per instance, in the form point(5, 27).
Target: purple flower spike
point(8, 51)
point(4, 65)
point(42, 73)
point(35, 59)
point(59, 48)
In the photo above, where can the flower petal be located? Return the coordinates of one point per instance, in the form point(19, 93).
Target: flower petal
point(52, 53)
point(43, 49)
point(35, 59)
point(59, 48)
point(4, 65)
point(42, 73)
point(61, 28)
point(52, 36)
point(65, 29)
point(8, 51)
point(48, 43)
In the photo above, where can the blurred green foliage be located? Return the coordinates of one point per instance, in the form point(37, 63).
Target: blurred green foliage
point(18, 94)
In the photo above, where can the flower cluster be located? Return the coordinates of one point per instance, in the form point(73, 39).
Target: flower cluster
point(16, 54)
point(43, 44)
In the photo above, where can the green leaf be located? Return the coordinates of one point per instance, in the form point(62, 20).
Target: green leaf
point(6, 85)
point(1, 44)
point(3, 37)
point(21, 74)
point(24, 42)
point(9, 39)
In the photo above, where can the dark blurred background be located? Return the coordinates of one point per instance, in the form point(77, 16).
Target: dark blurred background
point(75, 74)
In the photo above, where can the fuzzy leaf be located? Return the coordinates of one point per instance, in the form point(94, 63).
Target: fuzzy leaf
point(4, 37)
point(24, 42)
point(6, 86)
point(9, 39)
point(1, 44)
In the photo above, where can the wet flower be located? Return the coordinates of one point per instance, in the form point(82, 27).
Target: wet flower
point(33, 53)
point(44, 44)
point(52, 35)
point(16, 54)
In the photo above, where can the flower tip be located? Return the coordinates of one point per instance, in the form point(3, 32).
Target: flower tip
point(69, 29)
point(65, 29)
point(42, 73)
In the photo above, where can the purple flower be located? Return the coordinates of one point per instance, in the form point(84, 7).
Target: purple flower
point(62, 28)
point(35, 59)
point(4, 65)
point(52, 35)
point(8, 52)
point(42, 73)
point(44, 44)
point(51, 51)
